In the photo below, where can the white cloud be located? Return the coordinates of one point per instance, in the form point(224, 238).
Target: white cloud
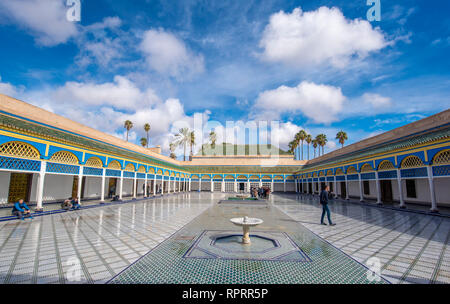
point(103, 43)
point(331, 145)
point(168, 55)
point(376, 100)
point(318, 102)
point(321, 36)
point(122, 94)
point(8, 89)
point(45, 19)
point(284, 134)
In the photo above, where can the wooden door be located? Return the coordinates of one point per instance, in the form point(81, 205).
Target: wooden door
point(19, 187)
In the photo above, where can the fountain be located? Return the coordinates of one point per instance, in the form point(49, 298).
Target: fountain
point(246, 222)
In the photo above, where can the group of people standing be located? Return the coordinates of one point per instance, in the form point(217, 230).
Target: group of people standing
point(261, 192)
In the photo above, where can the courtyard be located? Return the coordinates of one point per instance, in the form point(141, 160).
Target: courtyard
point(162, 240)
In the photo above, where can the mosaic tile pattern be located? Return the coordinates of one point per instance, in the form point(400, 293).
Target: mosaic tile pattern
point(412, 248)
point(105, 240)
point(165, 263)
point(265, 245)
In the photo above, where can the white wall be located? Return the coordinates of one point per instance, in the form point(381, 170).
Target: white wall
point(290, 187)
point(422, 192)
point(194, 186)
point(140, 189)
point(442, 190)
point(278, 187)
point(57, 187)
point(4, 186)
point(372, 190)
point(92, 187)
point(206, 185)
point(127, 186)
point(353, 189)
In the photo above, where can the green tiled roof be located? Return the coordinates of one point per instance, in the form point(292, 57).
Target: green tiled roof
point(224, 148)
point(22, 125)
point(243, 169)
point(409, 141)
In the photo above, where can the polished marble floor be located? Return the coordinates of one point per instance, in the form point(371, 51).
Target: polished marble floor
point(102, 240)
point(105, 241)
point(412, 248)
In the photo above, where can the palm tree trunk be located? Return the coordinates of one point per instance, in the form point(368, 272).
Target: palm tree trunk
point(184, 152)
point(127, 135)
point(308, 151)
point(302, 149)
point(147, 139)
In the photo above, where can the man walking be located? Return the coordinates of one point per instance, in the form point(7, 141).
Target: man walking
point(324, 202)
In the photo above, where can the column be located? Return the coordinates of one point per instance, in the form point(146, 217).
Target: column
point(235, 185)
point(313, 186)
point(102, 195)
point(296, 185)
point(361, 197)
point(260, 182)
point(347, 196)
point(189, 184)
point(212, 184)
point(284, 184)
point(271, 185)
point(121, 184)
point(335, 187)
point(40, 186)
point(162, 184)
point(400, 189)
point(223, 184)
point(199, 184)
point(168, 185)
point(145, 186)
point(248, 185)
point(134, 185)
point(154, 185)
point(377, 182)
point(432, 192)
point(80, 183)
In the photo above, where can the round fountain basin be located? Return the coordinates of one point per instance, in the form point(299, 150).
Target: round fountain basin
point(250, 222)
point(233, 244)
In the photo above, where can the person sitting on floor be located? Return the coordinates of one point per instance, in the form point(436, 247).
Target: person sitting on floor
point(75, 204)
point(66, 205)
point(20, 209)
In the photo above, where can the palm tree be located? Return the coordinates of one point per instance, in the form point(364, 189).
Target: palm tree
point(300, 136)
point(291, 146)
point(144, 142)
point(192, 141)
point(128, 125)
point(172, 147)
point(321, 141)
point(342, 136)
point(308, 140)
point(314, 142)
point(182, 139)
point(147, 129)
point(213, 139)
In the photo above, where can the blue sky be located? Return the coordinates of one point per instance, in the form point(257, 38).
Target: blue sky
point(316, 65)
